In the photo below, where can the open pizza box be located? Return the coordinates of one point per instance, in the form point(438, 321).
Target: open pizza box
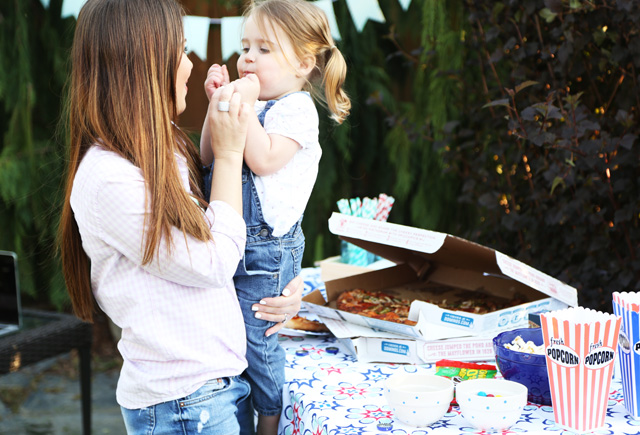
point(433, 266)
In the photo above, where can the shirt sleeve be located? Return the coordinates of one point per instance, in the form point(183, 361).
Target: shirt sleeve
point(119, 212)
point(296, 117)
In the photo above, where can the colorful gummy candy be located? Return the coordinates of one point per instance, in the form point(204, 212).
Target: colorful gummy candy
point(483, 394)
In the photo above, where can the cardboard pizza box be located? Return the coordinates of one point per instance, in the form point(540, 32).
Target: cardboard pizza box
point(333, 268)
point(431, 265)
point(372, 346)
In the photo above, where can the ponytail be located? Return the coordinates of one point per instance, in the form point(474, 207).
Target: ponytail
point(335, 73)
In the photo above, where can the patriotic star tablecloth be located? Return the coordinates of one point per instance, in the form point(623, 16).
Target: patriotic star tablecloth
point(328, 392)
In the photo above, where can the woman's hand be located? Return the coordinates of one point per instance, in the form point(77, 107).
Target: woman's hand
point(281, 308)
point(227, 125)
point(227, 128)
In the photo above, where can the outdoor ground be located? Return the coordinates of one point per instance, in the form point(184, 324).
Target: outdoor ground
point(45, 398)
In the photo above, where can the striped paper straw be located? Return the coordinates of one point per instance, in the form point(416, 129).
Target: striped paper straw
point(580, 347)
point(343, 206)
point(627, 306)
point(385, 203)
point(356, 206)
point(369, 207)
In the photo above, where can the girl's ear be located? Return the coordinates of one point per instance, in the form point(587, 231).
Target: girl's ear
point(307, 64)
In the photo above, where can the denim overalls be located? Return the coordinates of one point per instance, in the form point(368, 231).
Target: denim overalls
point(269, 263)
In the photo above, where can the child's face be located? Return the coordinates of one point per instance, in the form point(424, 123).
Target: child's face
point(184, 71)
point(275, 65)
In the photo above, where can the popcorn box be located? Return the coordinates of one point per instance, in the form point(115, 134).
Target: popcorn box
point(426, 262)
point(627, 306)
point(580, 348)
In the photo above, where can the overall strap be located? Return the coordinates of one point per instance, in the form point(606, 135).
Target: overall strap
point(262, 114)
point(270, 103)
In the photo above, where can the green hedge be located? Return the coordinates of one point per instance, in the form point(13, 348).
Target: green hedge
point(510, 123)
point(547, 144)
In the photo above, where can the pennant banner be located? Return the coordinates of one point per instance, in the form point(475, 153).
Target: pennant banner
point(364, 10)
point(327, 7)
point(405, 4)
point(72, 8)
point(231, 36)
point(196, 32)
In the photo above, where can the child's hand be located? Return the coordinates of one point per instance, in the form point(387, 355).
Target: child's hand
point(248, 87)
point(217, 76)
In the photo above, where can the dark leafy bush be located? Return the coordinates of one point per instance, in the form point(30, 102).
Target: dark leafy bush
point(547, 146)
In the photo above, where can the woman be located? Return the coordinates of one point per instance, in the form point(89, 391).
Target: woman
point(138, 237)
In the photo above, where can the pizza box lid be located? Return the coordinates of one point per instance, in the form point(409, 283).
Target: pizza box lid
point(443, 257)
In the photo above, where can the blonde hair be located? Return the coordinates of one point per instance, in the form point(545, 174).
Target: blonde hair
point(307, 28)
point(122, 95)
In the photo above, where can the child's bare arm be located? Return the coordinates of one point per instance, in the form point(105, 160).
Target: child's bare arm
point(264, 153)
point(267, 153)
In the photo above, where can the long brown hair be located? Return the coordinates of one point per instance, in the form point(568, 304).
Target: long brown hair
point(122, 95)
point(307, 27)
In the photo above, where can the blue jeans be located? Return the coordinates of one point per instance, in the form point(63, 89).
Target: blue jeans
point(219, 407)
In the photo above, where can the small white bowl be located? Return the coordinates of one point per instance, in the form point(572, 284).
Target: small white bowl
point(491, 414)
point(418, 400)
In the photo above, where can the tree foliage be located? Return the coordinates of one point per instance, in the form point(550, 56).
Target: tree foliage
point(512, 123)
point(33, 57)
point(547, 148)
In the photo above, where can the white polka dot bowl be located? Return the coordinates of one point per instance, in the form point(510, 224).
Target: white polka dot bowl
point(491, 405)
point(418, 399)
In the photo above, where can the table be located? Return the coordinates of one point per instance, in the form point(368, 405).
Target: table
point(45, 335)
point(333, 394)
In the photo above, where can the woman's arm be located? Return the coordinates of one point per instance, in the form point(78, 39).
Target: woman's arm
point(217, 77)
point(190, 262)
point(227, 131)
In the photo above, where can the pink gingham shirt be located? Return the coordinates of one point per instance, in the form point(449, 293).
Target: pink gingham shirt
point(180, 318)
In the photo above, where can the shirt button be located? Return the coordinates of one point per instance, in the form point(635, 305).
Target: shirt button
point(264, 232)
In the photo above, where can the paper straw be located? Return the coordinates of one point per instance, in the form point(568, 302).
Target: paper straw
point(343, 206)
point(356, 206)
point(385, 203)
point(369, 207)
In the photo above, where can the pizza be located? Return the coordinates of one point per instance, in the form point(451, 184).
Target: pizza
point(476, 302)
point(375, 304)
point(303, 324)
point(383, 306)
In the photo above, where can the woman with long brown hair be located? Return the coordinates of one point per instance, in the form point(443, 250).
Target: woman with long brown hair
point(137, 236)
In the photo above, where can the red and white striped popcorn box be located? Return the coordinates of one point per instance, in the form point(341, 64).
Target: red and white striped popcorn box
point(580, 348)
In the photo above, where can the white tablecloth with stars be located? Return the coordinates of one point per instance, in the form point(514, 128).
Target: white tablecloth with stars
point(333, 394)
point(327, 392)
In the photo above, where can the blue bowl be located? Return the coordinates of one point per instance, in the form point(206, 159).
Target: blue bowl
point(527, 369)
